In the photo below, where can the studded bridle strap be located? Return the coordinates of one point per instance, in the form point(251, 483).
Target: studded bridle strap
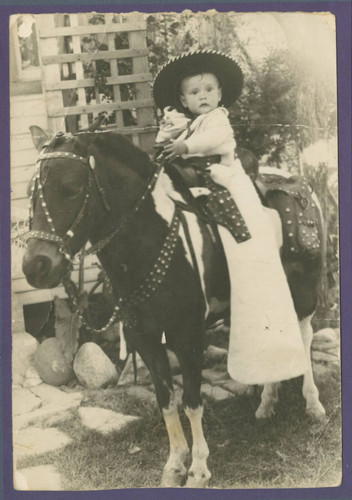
point(98, 247)
point(52, 236)
point(123, 310)
point(63, 155)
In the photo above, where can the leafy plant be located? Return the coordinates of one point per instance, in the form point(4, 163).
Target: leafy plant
point(67, 325)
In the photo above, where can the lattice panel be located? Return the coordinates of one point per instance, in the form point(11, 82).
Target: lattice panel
point(95, 63)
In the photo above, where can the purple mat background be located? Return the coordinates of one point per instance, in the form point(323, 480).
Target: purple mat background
point(342, 11)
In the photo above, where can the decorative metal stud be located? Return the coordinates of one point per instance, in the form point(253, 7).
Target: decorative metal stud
point(92, 162)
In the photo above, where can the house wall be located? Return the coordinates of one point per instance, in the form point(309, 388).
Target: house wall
point(29, 110)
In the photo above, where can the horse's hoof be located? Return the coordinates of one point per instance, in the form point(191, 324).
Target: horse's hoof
point(316, 415)
point(264, 413)
point(198, 480)
point(173, 478)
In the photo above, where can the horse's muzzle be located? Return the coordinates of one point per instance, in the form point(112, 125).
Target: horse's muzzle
point(42, 265)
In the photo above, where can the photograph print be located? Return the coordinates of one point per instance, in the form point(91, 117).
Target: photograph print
point(174, 250)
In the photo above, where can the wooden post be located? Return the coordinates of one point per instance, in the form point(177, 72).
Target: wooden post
point(114, 73)
point(50, 72)
point(145, 116)
point(76, 43)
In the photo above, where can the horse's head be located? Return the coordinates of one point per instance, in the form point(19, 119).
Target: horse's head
point(79, 178)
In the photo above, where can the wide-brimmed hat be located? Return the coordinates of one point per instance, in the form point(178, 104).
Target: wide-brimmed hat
point(166, 86)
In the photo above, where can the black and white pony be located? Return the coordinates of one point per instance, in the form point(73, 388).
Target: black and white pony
point(168, 273)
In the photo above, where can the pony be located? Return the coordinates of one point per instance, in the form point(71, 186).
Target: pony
point(167, 271)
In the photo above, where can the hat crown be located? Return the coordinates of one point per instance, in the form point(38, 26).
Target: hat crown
point(224, 67)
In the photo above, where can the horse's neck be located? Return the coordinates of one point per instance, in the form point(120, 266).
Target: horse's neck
point(130, 255)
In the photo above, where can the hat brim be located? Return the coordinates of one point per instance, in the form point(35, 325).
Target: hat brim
point(167, 81)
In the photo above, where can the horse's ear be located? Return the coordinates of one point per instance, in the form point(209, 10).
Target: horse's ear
point(39, 136)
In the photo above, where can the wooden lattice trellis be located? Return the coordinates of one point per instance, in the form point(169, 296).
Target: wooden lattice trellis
point(72, 47)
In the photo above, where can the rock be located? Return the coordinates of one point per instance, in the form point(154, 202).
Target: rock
point(41, 478)
point(51, 364)
point(34, 441)
point(48, 414)
point(216, 354)
point(127, 374)
point(237, 388)
point(104, 421)
point(92, 367)
point(173, 360)
point(325, 357)
point(326, 346)
point(325, 335)
point(31, 378)
point(24, 346)
point(213, 376)
point(52, 395)
point(216, 393)
point(178, 380)
point(24, 401)
point(141, 393)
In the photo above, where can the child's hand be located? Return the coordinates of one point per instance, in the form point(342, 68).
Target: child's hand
point(174, 149)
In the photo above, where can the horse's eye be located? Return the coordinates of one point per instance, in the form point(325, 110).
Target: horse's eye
point(70, 191)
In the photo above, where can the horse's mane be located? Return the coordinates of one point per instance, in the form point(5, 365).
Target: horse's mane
point(109, 143)
point(122, 148)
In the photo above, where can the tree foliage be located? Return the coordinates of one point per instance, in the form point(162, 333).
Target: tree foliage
point(283, 107)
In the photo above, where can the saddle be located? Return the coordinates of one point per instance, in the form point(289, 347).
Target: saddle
point(290, 196)
point(217, 207)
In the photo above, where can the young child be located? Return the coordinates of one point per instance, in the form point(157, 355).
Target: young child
point(265, 342)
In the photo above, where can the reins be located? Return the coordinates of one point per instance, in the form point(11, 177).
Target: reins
point(151, 283)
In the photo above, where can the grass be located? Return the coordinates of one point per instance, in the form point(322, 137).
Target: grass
point(287, 451)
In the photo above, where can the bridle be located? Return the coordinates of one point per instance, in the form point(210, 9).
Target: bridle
point(122, 309)
point(64, 241)
point(37, 189)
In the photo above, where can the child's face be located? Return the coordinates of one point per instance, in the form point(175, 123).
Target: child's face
point(200, 93)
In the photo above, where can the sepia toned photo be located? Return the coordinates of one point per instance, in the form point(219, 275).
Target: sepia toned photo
point(175, 250)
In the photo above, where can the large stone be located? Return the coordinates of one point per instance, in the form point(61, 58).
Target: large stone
point(104, 421)
point(214, 376)
point(216, 354)
point(51, 364)
point(237, 388)
point(325, 335)
point(41, 478)
point(216, 393)
point(24, 401)
point(92, 367)
point(325, 357)
point(35, 441)
point(24, 346)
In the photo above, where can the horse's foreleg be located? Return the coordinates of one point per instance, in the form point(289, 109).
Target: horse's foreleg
point(174, 469)
point(190, 357)
point(198, 474)
point(154, 356)
point(314, 408)
point(269, 398)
